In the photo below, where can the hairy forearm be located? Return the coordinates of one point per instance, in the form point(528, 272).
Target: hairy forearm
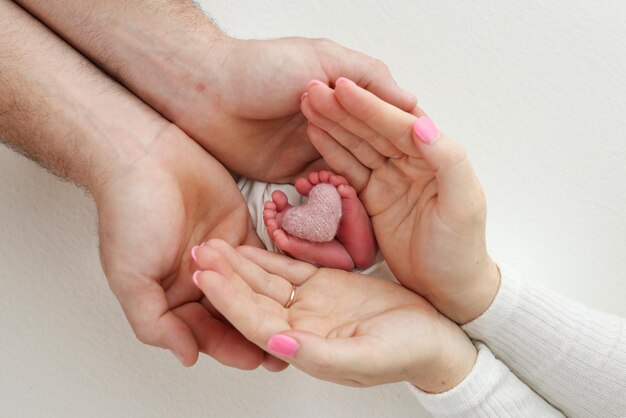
point(60, 110)
point(154, 47)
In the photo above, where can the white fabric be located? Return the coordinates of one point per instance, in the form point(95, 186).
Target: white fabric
point(256, 193)
point(571, 355)
point(490, 390)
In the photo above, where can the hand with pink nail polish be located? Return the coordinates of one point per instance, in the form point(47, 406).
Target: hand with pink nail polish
point(342, 327)
point(427, 207)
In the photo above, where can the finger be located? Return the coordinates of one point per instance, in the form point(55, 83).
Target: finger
point(386, 119)
point(459, 191)
point(325, 358)
point(210, 308)
point(369, 72)
point(323, 110)
point(224, 259)
point(146, 309)
point(338, 158)
point(274, 364)
point(296, 272)
point(255, 316)
point(219, 339)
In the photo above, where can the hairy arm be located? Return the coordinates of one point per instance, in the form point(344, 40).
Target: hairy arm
point(239, 99)
point(156, 48)
point(59, 110)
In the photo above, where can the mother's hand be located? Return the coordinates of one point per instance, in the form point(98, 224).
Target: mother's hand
point(427, 207)
point(342, 327)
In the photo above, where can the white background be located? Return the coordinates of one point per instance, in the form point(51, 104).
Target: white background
point(535, 90)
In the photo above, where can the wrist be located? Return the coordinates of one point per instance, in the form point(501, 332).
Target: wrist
point(451, 363)
point(162, 51)
point(149, 149)
point(484, 288)
point(183, 70)
point(170, 70)
point(474, 294)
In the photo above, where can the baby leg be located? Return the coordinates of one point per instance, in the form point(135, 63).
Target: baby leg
point(354, 245)
point(324, 254)
point(355, 230)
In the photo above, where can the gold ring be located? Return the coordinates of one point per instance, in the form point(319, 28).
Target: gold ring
point(292, 297)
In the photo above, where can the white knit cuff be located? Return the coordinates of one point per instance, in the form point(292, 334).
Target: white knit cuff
point(467, 394)
point(489, 390)
point(573, 356)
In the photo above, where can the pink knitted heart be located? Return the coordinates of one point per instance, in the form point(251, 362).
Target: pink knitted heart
point(318, 219)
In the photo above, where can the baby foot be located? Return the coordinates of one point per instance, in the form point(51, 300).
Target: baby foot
point(354, 244)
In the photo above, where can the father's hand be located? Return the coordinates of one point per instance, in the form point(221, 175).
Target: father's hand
point(151, 215)
point(238, 99)
point(250, 117)
point(158, 193)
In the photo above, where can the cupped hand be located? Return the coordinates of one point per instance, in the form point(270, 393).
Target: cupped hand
point(343, 327)
point(427, 207)
point(151, 214)
point(247, 111)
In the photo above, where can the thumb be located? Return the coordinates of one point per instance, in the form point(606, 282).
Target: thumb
point(370, 73)
point(457, 185)
point(155, 324)
point(336, 359)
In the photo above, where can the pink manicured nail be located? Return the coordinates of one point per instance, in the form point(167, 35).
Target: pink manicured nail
point(304, 96)
point(426, 130)
point(283, 345)
point(194, 253)
point(343, 80)
point(195, 277)
point(312, 82)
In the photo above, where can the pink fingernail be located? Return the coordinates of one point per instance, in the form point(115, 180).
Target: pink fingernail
point(304, 96)
point(343, 80)
point(195, 277)
point(283, 345)
point(194, 253)
point(426, 130)
point(312, 82)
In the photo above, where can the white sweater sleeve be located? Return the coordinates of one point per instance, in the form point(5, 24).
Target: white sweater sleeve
point(571, 355)
point(490, 390)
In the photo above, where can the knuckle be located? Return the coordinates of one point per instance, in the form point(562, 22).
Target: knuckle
point(377, 66)
point(143, 335)
point(321, 365)
point(325, 43)
point(454, 154)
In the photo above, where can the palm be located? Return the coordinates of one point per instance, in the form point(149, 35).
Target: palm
point(371, 318)
point(431, 230)
point(405, 216)
point(150, 219)
point(374, 313)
